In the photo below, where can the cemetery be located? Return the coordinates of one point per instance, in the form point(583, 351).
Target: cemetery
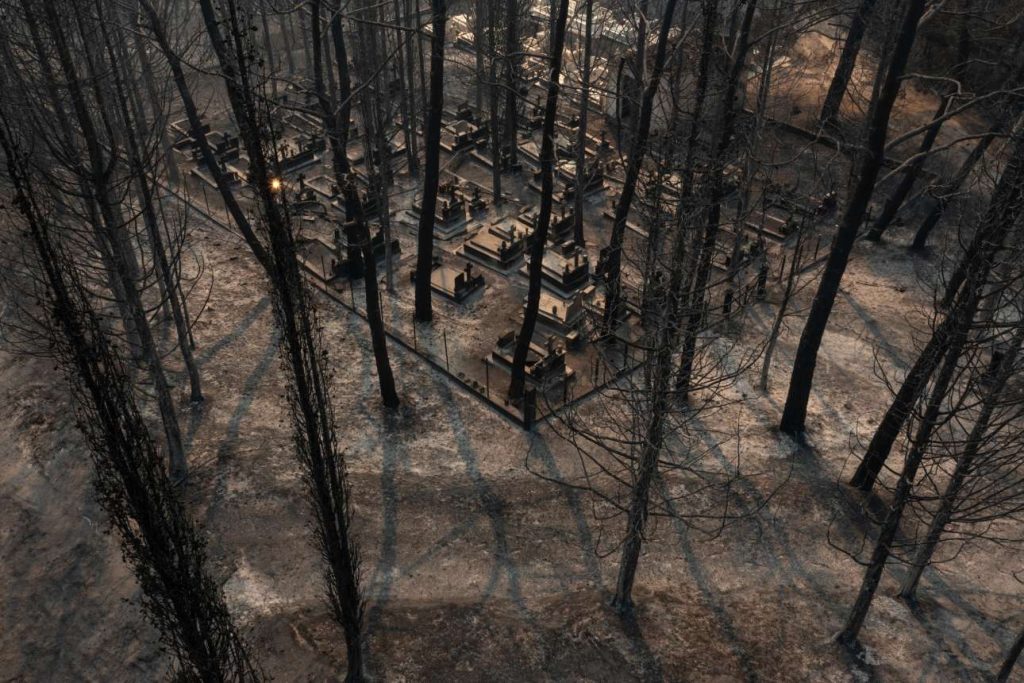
point(511, 341)
point(481, 261)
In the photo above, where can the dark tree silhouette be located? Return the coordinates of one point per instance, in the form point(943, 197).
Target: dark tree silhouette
point(847, 60)
point(164, 549)
point(794, 415)
point(613, 295)
point(540, 235)
point(302, 348)
point(432, 150)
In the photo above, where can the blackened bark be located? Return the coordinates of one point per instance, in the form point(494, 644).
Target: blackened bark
point(432, 151)
point(378, 336)
point(147, 203)
point(581, 139)
point(158, 540)
point(268, 50)
point(493, 91)
point(717, 191)
point(540, 235)
point(947, 189)
point(613, 296)
point(512, 62)
point(901, 496)
point(847, 60)
point(899, 195)
point(344, 87)
point(354, 211)
point(974, 443)
point(794, 414)
point(301, 345)
point(1012, 655)
point(118, 252)
point(1004, 209)
point(241, 220)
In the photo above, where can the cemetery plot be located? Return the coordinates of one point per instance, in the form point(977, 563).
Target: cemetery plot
point(479, 278)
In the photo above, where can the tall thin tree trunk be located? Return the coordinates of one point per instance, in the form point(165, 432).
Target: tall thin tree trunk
point(939, 205)
point(780, 315)
point(847, 60)
point(581, 139)
point(154, 104)
point(147, 202)
point(493, 92)
point(901, 497)
point(413, 39)
point(220, 179)
point(285, 20)
point(344, 87)
point(517, 387)
point(158, 540)
point(432, 149)
point(899, 195)
point(354, 210)
point(1004, 209)
point(405, 96)
point(613, 295)
point(268, 50)
point(714, 212)
point(964, 465)
point(118, 253)
point(378, 337)
point(794, 414)
point(302, 347)
point(512, 62)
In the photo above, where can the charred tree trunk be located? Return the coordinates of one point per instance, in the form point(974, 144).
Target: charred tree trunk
point(847, 60)
point(405, 96)
point(1004, 210)
point(118, 252)
point(517, 387)
point(158, 540)
point(238, 215)
point(581, 139)
point(940, 203)
point(146, 66)
point(964, 465)
point(432, 150)
point(344, 89)
point(493, 21)
point(268, 49)
point(613, 296)
point(901, 497)
point(374, 317)
point(301, 345)
point(794, 414)
point(780, 315)
point(715, 196)
point(511, 80)
point(147, 203)
point(354, 210)
point(896, 199)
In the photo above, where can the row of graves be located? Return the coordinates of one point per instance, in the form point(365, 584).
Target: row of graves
point(478, 245)
point(325, 237)
point(296, 149)
point(502, 246)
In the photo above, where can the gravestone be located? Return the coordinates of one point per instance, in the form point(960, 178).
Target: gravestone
point(499, 246)
point(565, 270)
point(545, 361)
point(454, 283)
point(565, 317)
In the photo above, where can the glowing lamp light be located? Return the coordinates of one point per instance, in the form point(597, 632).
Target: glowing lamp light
point(275, 184)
